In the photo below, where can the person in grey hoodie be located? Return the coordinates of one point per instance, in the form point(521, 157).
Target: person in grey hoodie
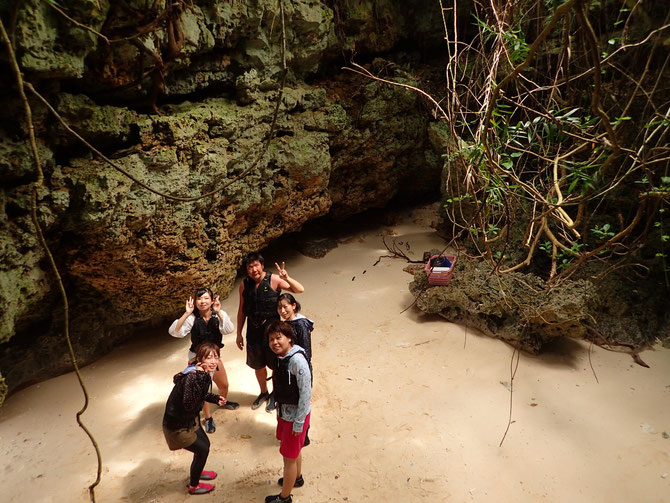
point(292, 383)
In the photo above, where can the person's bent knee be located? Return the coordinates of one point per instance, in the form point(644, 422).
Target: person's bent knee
point(220, 383)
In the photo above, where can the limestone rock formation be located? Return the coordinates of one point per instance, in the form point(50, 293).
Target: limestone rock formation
point(182, 98)
point(516, 308)
point(509, 306)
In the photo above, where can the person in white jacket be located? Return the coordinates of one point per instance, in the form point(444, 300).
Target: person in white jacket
point(206, 322)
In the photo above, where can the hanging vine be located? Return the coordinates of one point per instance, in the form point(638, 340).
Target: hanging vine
point(542, 157)
point(175, 41)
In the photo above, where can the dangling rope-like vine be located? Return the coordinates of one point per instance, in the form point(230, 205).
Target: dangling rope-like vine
point(39, 184)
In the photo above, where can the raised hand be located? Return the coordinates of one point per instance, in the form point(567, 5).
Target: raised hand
point(281, 271)
point(293, 285)
point(216, 305)
point(190, 305)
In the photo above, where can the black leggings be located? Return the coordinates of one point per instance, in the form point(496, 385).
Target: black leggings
point(200, 450)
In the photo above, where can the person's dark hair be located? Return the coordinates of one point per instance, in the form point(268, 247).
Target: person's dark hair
point(199, 293)
point(206, 348)
point(281, 327)
point(291, 300)
point(251, 257)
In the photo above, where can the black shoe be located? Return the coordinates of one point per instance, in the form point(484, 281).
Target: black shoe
point(276, 498)
point(299, 482)
point(272, 404)
point(231, 405)
point(210, 427)
point(260, 399)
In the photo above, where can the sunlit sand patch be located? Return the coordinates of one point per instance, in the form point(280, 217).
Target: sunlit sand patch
point(143, 386)
point(377, 293)
point(269, 419)
point(177, 357)
point(388, 232)
point(123, 467)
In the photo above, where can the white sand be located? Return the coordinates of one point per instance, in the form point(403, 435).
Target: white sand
point(406, 408)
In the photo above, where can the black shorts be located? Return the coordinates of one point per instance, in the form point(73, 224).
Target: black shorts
point(260, 357)
point(259, 354)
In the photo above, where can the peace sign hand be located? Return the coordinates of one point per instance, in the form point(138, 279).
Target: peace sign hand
point(216, 305)
point(281, 271)
point(189, 306)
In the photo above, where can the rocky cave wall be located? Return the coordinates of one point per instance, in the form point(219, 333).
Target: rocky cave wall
point(128, 257)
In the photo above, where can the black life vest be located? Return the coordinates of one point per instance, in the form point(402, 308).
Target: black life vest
point(285, 388)
point(205, 332)
point(260, 303)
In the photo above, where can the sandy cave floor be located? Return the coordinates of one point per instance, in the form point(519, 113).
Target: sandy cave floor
point(406, 407)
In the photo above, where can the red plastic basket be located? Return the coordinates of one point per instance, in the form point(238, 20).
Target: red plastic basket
point(440, 275)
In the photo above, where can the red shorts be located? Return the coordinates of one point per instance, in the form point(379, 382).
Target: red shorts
point(291, 445)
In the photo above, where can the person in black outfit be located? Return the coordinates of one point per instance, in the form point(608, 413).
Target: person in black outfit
point(181, 421)
point(205, 321)
point(258, 305)
point(289, 310)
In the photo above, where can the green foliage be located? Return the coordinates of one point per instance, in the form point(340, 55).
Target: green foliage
point(552, 5)
point(657, 122)
point(562, 144)
point(662, 190)
point(457, 199)
point(619, 120)
point(664, 240)
point(546, 247)
point(513, 39)
point(583, 176)
point(565, 257)
point(492, 231)
point(602, 233)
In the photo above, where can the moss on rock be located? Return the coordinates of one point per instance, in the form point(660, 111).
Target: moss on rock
point(518, 309)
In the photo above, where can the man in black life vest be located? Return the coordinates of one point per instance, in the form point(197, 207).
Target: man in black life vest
point(258, 306)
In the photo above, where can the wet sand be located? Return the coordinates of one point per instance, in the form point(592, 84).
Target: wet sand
point(406, 407)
